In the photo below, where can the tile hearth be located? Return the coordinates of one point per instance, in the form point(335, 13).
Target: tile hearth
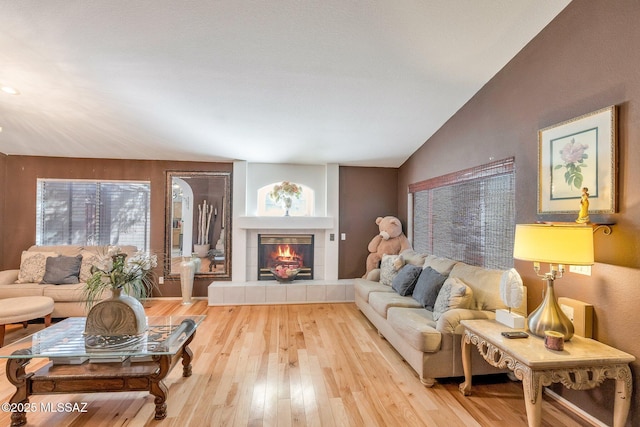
point(272, 292)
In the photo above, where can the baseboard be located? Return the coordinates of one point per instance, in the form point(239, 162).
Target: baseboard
point(573, 408)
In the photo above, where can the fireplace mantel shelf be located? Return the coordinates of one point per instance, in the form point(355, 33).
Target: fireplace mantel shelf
point(284, 222)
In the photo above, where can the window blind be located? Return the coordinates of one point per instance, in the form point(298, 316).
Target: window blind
point(93, 213)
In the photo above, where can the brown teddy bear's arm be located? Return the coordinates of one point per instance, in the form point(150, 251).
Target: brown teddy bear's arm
point(374, 243)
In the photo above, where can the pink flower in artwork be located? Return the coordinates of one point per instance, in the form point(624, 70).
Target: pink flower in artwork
point(573, 152)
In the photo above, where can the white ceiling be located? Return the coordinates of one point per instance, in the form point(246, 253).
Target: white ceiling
point(290, 81)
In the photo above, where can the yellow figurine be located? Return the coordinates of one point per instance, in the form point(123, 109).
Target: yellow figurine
point(583, 215)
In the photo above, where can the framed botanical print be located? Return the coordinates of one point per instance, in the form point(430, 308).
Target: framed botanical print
point(575, 155)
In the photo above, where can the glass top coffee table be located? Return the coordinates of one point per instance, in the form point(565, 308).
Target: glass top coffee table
point(83, 364)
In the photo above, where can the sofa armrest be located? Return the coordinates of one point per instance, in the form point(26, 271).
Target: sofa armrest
point(449, 322)
point(8, 277)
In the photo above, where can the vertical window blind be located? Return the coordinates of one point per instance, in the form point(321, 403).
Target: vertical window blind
point(93, 213)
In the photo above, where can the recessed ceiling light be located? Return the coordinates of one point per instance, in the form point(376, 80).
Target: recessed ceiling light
point(10, 90)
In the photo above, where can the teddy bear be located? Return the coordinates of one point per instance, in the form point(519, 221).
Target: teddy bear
point(391, 241)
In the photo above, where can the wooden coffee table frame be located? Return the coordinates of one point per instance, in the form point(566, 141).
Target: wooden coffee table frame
point(95, 378)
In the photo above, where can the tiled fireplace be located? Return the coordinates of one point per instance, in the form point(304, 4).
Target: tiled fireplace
point(250, 284)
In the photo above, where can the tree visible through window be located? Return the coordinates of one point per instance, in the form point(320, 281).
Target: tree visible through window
point(93, 213)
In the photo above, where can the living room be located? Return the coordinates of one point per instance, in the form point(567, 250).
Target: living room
point(584, 60)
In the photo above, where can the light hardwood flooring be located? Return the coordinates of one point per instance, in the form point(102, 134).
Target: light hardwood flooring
point(292, 365)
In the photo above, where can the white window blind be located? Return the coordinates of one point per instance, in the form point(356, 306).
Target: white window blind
point(93, 213)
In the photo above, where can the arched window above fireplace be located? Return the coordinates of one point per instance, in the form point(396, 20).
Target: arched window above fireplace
point(303, 206)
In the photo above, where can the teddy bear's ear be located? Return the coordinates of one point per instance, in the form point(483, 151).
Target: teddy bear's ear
point(395, 221)
point(379, 220)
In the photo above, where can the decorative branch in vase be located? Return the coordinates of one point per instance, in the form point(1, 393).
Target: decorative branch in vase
point(205, 210)
point(284, 192)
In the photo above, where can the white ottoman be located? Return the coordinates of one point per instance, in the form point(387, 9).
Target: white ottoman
point(21, 309)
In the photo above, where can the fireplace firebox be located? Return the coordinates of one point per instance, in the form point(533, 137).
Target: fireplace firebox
point(287, 250)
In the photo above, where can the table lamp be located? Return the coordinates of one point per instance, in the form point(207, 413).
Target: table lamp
point(557, 245)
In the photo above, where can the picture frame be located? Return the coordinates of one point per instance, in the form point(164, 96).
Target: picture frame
point(577, 153)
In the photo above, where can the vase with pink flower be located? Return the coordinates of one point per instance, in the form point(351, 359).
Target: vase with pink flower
point(284, 193)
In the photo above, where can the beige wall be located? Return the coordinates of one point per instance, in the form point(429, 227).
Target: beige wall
point(19, 198)
point(586, 59)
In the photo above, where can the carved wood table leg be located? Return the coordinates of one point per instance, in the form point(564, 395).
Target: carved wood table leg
point(532, 387)
point(17, 376)
point(622, 400)
point(157, 387)
point(187, 356)
point(465, 387)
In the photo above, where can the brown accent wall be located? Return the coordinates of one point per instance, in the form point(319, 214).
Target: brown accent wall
point(586, 59)
point(365, 194)
point(19, 199)
point(3, 185)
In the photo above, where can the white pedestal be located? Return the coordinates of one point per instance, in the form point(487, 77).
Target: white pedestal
point(511, 319)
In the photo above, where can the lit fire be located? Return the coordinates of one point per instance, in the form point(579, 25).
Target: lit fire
point(285, 254)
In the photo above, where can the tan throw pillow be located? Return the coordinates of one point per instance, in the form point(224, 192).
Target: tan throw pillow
point(89, 259)
point(33, 264)
point(453, 294)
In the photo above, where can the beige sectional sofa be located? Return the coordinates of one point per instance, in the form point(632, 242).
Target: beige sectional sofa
point(69, 300)
point(432, 346)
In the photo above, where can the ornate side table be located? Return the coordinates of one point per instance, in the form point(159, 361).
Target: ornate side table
point(582, 365)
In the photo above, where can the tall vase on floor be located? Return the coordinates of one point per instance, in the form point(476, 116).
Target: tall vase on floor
point(187, 271)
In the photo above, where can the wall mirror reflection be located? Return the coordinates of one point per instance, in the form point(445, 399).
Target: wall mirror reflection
point(198, 210)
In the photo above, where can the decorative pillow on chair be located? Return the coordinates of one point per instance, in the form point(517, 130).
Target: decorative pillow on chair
point(405, 280)
point(33, 265)
point(387, 269)
point(89, 259)
point(454, 294)
point(427, 287)
point(62, 270)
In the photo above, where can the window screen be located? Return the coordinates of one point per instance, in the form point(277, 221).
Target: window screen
point(93, 213)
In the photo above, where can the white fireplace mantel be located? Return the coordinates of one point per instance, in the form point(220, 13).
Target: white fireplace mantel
point(285, 222)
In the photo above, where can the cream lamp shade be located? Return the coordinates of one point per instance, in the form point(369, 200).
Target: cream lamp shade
point(555, 244)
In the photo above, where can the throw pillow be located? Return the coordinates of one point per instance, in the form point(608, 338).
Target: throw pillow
point(33, 265)
point(387, 269)
point(427, 287)
point(89, 259)
point(454, 294)
point(406, 279)
point(62, 270)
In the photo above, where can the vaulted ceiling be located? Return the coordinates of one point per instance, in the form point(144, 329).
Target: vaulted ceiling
point(289, 81)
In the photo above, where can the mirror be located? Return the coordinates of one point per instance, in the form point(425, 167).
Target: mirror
point(198, 209)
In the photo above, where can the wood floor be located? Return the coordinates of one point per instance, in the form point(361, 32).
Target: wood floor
point(292, 365)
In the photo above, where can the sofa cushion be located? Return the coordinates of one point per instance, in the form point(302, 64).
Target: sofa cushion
point(22, 290)
point(416, 326)
point(404, 282)
point(387, 269)
point(364, 287)
point(440, 264)
point(33, 265)
point(62, 270)
point(485, 284)
point(428, 286)
point(66, 250)
point(412, 257)
point(381, 301)
point(454, 294)
point(73, 292)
